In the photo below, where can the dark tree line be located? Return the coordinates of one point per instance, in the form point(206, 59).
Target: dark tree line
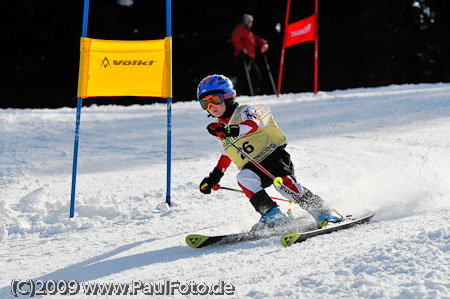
point(361, 44)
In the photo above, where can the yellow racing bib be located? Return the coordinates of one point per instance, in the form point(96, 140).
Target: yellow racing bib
point(257, 145)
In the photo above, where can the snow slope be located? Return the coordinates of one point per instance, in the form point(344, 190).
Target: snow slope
point(381, 149)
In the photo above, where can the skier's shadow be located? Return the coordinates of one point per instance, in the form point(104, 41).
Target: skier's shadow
point(103, 265)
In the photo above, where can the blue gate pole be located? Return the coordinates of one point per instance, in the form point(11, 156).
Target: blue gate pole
point(77, 123)
point(169, 105)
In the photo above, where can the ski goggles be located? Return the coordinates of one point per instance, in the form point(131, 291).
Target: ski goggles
point(211, 100)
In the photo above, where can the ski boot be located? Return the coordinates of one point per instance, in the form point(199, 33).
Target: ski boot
point(271, 219)
point(329, 216)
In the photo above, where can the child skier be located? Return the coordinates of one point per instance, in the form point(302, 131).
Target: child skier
point(253, 129)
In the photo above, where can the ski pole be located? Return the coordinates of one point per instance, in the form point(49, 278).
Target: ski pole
point(277, 181)
point(217, 187)
point(247, 73)
point(270, 73)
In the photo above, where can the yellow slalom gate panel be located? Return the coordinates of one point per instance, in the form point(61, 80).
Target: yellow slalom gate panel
point(125, 68)
point(167, 77)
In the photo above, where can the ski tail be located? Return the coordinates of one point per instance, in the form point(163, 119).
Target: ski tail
point(292, 238)
point(196, 241)
point(289, 239)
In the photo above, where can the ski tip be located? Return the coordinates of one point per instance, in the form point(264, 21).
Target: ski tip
point(196, 241)
point(367, 217)
point(368, 214)
point(364, 218)
point(289, 239)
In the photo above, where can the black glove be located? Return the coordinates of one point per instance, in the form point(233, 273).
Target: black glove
point(221, 130)
point(210, 181)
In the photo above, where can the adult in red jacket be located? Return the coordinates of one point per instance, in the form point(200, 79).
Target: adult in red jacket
point(245, 43)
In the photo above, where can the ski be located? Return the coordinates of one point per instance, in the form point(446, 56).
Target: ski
point(292, 238)
point(199, 241)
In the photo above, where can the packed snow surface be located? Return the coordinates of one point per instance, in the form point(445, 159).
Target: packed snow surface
point(385, 150)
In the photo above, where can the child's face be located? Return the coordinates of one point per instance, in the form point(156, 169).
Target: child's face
point(217, 111)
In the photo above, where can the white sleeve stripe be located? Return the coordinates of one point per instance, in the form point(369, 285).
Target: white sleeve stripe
point(244, 129)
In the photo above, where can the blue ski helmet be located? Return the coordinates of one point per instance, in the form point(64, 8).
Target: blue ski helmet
point(214, 84)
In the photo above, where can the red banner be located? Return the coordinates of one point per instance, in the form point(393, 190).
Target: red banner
point(301, 31)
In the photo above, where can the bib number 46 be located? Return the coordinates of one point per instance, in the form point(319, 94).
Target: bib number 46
point(247, 148)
